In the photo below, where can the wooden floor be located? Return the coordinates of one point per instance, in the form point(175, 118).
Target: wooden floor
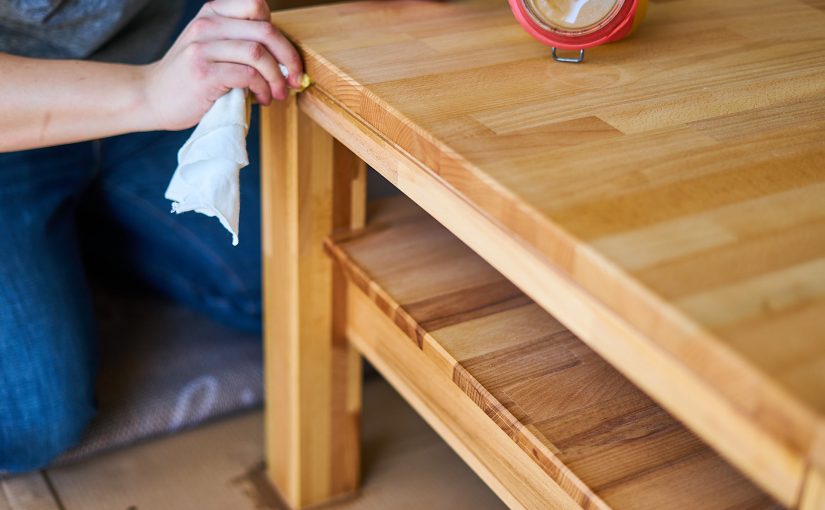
point(406, 466)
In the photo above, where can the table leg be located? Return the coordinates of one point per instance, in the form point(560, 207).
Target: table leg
point(813, 492)
point(310, 185)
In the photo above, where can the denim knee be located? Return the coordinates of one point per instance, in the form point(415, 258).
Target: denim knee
point(56, 425)
point(240, 310)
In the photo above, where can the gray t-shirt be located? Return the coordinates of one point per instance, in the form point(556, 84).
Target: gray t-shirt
point(128, 31)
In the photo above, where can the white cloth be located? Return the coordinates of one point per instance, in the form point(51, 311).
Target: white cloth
point(207, 179)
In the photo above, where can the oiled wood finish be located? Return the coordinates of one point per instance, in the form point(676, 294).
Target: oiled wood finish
point(813, 498)
point(276, 5)
point(313, 376)
point(502, 464)
point(676, 177)
point(693, 401)
point(600, 438)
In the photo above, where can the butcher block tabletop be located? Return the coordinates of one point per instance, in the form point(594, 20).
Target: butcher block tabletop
point(678, 177)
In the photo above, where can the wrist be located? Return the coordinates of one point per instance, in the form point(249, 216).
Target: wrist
point(136, 105)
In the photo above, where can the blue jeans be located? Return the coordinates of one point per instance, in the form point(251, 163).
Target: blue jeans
point(100, 203)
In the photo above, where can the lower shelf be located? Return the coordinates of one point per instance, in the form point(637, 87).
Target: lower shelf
point(542, 418)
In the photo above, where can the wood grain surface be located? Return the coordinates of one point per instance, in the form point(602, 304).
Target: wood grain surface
point(311, 185)
point(813, 497)
point(678, 177)
point(601, 439)
point(507, 469)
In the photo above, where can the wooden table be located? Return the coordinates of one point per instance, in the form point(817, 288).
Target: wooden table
point(654, 218)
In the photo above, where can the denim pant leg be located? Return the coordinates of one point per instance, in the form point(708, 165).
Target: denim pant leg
point(188, 257)
point(47, 340)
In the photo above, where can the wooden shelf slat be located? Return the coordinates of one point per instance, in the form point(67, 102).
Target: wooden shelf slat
point(606, 443)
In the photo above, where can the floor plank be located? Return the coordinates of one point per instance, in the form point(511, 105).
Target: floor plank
point(27, 492)
point(406, 466)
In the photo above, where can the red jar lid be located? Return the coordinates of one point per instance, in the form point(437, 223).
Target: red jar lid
point(575, 24)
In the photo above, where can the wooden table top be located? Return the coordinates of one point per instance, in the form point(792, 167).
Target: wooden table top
point(678, 176)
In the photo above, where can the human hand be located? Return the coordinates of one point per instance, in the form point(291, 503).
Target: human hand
point(230, 44)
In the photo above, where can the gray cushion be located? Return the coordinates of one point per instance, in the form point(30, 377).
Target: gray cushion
point(165, 368)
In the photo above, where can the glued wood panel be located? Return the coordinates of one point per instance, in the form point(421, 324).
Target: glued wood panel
point(311, 185)
point(676, 177)
point(484, 447)
point(695, 402)
point(588, 428)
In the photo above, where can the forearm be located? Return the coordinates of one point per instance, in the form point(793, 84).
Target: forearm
point(230, 44)
point(53, 102)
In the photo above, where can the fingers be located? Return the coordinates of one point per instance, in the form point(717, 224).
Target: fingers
point(213, 28)
point(240, 9)
point(252, 54)
point(239, 76)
